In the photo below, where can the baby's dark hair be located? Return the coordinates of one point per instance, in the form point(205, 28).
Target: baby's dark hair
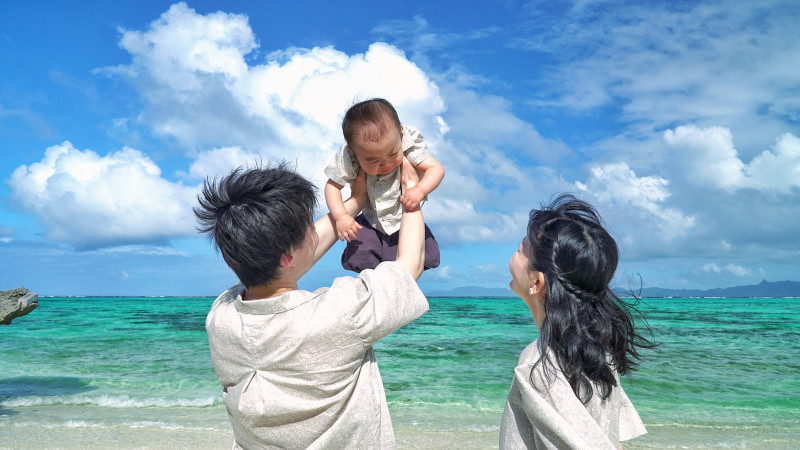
point(369, 120)
point(254, 216)
point(587, 327)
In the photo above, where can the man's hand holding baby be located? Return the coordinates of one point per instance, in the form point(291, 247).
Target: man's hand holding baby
point(412, 198)
point(412, 194)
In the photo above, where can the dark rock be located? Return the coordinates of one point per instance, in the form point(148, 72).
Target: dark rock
point(15, 303)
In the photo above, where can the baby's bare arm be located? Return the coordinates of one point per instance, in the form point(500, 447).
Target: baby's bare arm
point(326, 225)
point(333, 198)
point(346, 227)
point(432, 174)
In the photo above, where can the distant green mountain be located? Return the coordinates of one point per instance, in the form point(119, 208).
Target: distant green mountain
point(763, 289)
point(473, 291)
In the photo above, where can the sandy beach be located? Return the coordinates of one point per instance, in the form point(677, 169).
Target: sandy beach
point(155, 438)
point(24, 438)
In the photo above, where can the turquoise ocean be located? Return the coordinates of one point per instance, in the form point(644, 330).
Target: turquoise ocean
point(726, 373)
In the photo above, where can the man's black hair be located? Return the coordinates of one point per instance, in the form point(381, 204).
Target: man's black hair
point(254, 216)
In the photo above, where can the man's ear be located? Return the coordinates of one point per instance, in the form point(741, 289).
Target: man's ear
point(287, 260)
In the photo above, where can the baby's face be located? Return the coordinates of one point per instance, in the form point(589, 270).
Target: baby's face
point(380, 157)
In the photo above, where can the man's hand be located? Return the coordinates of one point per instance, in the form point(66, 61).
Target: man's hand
point(411, 243)
point(358, 188)
point(409, 178)
point(411, 198)
point(347, 228)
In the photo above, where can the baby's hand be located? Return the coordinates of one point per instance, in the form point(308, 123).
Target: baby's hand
point(347, 228)
point(411, 198)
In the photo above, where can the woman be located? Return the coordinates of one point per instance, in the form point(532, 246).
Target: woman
point(566, 391)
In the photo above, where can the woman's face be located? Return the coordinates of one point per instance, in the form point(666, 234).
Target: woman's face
point(519, 266)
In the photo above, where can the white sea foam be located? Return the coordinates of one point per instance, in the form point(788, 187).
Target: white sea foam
point(438, 426)
point(109, 401)
point(480, 428)
point(449, 405)
point(78, 424)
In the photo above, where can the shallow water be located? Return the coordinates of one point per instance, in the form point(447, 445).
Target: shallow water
point(726, 373)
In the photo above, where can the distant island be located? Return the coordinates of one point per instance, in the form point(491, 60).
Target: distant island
point(763, 290)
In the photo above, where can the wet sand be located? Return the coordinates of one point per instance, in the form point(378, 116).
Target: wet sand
point(156, 438)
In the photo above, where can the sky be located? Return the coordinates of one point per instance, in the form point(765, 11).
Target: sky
point(678, 120)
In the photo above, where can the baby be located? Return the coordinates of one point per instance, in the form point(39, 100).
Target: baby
point(376, 142)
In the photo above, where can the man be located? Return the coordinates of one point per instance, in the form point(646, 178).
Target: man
point(297, 368)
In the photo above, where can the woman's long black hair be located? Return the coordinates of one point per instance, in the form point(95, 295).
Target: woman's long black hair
point(587, 327)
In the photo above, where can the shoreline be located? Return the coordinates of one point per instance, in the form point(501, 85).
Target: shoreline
point(659, 437)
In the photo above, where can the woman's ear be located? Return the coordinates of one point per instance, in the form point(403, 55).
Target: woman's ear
point(538, 283)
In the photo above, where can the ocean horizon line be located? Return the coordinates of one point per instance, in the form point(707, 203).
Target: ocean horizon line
point(199, 297)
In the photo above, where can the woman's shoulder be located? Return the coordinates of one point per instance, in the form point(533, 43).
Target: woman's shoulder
point(530, 354)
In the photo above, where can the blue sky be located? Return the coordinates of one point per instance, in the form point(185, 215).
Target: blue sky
point(679, 120)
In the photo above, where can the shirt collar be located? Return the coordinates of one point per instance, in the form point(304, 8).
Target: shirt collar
point(274, 305)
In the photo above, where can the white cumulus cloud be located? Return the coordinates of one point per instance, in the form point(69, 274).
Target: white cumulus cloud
point(778, 169)
point(199, 89)
point(734, 269)
point(616, 187)
point(92, 201)
point(465, 224)
point(709, 157)
point(445, 273)
point(738, 270)
point(290, 107)
point(221, 161)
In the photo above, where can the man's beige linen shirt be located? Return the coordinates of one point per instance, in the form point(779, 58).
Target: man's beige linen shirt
point(384, 210)
point(554, 418)
point(298, 371)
